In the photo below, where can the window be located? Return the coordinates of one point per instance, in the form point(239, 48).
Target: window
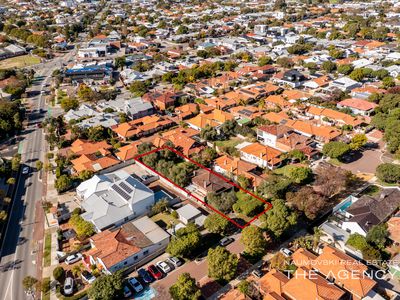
point(146, 252)
point(135, 257)
point(125, 263)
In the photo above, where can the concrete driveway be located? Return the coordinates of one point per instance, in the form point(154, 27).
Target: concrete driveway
point(366, 162)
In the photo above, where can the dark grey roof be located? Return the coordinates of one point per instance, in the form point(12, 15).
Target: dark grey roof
point(368, 211)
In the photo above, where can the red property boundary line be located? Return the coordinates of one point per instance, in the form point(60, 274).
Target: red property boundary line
point(269, 205)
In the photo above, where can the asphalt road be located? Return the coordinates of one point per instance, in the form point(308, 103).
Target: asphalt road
point(18, 256)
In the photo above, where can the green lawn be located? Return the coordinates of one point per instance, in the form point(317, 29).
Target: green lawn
point(19, 62)
point(228, 143)
point(47, 250)
point(164, 220)
point(372, 190)
point(46, 295)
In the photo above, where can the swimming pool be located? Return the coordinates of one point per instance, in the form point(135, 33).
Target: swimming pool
point(147, 293)
point(345, 206)
point(160, 195)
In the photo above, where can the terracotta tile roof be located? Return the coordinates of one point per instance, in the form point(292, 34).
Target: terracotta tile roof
point(234, 295)
point(295, 95)
point(345, 270)
point(276, 117)
point(359, 104)
point(303, 258)
point(215, 118)
point(266, 153)
point(93, 163)
point(394, 228)
point(345, 61)
point(306, 285)
point(277, 100)
point(370, 89)
point(128, 152)
point(324, 132)
point(335, 115)
point(322, 81)
point(273, 129)
point(88, 147)
point(233, 164)
point(272, 282)
point(220, 103)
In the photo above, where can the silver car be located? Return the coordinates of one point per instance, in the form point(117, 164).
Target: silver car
point(69, 286)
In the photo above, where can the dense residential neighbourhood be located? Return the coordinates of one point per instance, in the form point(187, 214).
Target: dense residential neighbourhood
point(182, 150)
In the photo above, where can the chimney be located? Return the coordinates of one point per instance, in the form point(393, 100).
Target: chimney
point(205, 184)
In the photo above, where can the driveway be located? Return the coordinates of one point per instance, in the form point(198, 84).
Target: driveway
point(367, 162)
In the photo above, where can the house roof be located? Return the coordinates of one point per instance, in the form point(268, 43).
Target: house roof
point(335, 115)
point(215, 118)
point(345, 270)
point(233, 164)
point(128, 152)
point(88, 147)
point(394, 228)
point(266, 153)
point(210, 182)
point(93, 162)
point(368, 211)
point(359, 104)
point(272, 282)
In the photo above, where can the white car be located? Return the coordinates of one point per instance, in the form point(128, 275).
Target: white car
point(25, 170)
point(73, 258)
point(69, 286)
point(164, 266)
point(176, 262)
point(287, 252)
point(135, 284)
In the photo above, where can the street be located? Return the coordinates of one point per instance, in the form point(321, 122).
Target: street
point(24, 232)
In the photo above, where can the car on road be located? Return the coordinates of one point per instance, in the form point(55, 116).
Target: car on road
point(257, 273)
point(146, 277)
point(226, 241)
point(73, 258)
point(69, 286)
point(25, 170)
point(287, 252)
point(135, 284)
point(176, 262)
point(154, 272)
point(88, 277)
point(164, 266)
point(127, 291)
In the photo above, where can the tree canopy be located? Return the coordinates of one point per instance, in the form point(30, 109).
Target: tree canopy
point(185, 288)
point(222, 264)
point(253, 240)
point(107, 287)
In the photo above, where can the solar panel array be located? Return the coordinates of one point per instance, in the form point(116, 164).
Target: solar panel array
point(126, 187)
point(120, 192)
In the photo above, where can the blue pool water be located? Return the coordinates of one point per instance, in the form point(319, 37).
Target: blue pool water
point(161, 194)
point(147, 294)
point(345, 206)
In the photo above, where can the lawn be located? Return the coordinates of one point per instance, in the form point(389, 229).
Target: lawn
point(371, 190)
point(47, 250)
point(19, 62)
point(228, 143)
point(164, 220)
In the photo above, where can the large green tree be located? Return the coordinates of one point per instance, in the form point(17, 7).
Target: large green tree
point(107, 287)
point(335, 149)
point(388, 172)
point(279, 218)
point(215, 223)
point(253, 240)
point(185, 288)
point(185, 242)
point(222, 264)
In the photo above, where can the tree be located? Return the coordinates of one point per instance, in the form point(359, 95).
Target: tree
point(357, 241)
point(39, 165)
point(223, 202)
point(160, 206)
point(119, 62)
point(63, 183)
point(185, 242)
point(243, 181)
point(331, 180)
point(279, 218)
point(297, 174)
point(328, 66)
point(85, 175)
point(58, 273)
point(185, 288)
point(86, 94)
point(388, 82)
point(30, 284)
point(82, 227)
point(345, 69)
point(208, 133)
point(388, 172)
point(215, 223)
point(335, 149)
point(247, 204)
point(307, 201)
point(357, 74)
point(359, 140)
point(11, 181)
point(264, 60)
point(279, 261)
point(182, 30)
point(222, 264)
point(107, 287)
point(253, 240)
point(68, 103)
point(138, 88)
point(274, 187)
point(243, 287)
point(378, 236)
point(15, 162)
point(285, 62)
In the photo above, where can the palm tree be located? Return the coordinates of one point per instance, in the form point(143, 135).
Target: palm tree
point(318, 233)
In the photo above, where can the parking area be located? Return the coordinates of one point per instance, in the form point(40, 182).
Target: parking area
point(365, 162)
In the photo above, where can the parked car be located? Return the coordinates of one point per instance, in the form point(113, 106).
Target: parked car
point(88, 277)
point(154, 272)
point(146, 277)
point(73, 258)
point(127, 291)
point(257, 273)
point(69, 286)
point(163, 266)
point(286, 252)
point(176, 262)
point(226, 241)
point(25, 170)
point(135, 284)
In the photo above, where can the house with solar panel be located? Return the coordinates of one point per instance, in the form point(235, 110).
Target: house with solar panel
point(113, 199)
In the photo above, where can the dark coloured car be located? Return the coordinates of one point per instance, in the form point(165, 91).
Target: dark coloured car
point(225, 241)
point(156, 273)
point(145, 276)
